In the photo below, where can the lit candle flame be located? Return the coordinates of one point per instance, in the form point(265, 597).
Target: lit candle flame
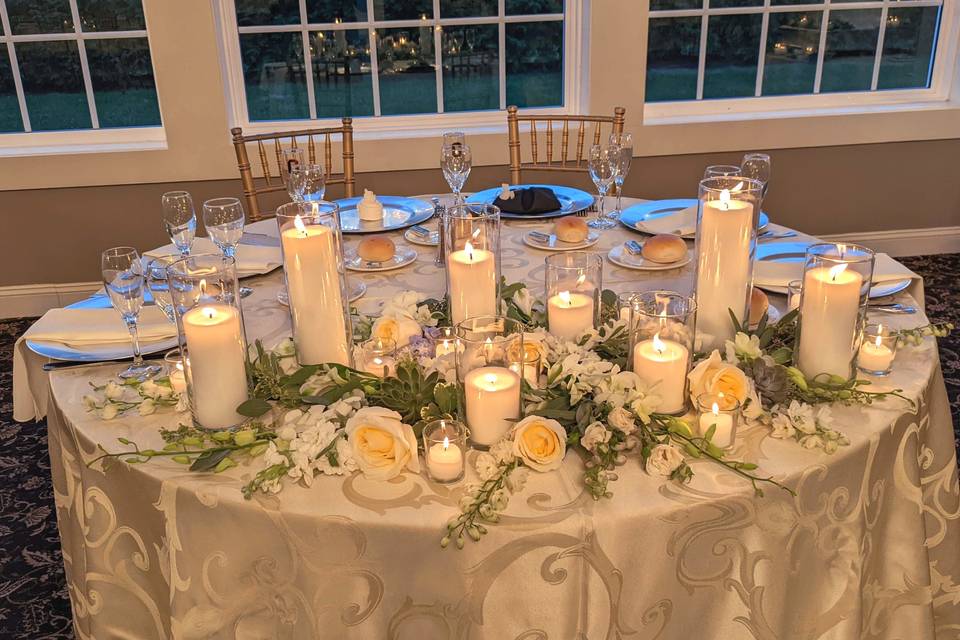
point(446, 443)
point(298, 223)
point(469, 249)
point(209, 312)
point(658, 345)
point(836, 271)
point(725, 199)
point(715, 409)
point(564, 297)
point(490, 378)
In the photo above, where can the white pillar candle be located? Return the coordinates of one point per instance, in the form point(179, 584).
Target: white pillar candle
point(218, 363)
point(445, 461)
point(723, 433)
point(492, 398)
point(723, 266)
point(829, 315)
point(569, 315)
point(664, 363)
point(874, 355)
point(473, 283)
point(316, 301)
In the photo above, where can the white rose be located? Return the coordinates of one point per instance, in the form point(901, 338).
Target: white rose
point(713, 375)
point(113, 391)
point(664, 460)
point(150, 389)
point(397, 328)
point(147, 407)
point(381, 444)
point(540, 442)
point(523, 300)
point(622, 420)
point(594, 435)
point(109, 411)
point(402, 304)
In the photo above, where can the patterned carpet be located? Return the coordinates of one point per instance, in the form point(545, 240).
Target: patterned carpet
point(33, 597)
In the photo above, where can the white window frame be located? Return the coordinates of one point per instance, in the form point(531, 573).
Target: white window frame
point(935, 96)
point(401, 126)
point(94, 139)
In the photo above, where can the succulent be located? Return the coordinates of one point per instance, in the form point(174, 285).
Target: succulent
point(771, 381)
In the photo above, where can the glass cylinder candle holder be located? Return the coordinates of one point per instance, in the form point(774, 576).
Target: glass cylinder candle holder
point(625, 303)
point(444, 449)
point(878, 348)
point(490, 390)
point(574, 280)
point(661, 344)
point(472, 242)
point(206, 303)
point(833, 306)
point(379, 356)
point(316, 285)
point(722, 413)
point(526, 361)
point(727, 219)
point(794, 289)
point(176, 372)
point(445, 343)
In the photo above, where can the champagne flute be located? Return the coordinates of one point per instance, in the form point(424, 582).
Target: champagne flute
point(159, 286)
point(604, 164)
point(122, 273)
point(456, 161)
point(721, 171)
point(179, 219)
point(224, 218)
point(307, 183)
point(758, 167)
point(625, 142)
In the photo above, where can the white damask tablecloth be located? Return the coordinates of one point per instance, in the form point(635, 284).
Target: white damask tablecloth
point(869, 547)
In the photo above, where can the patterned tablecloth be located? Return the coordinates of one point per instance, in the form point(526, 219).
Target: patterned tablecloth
point(869, 547)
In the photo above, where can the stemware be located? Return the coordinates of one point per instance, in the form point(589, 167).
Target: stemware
point(721, 171)
point(451, 138)
point(307, 183)
point(291, 159)
point(456, 161)
point(604, 165)
point(122, 273)
point(625, 142)
point(179, 219)
point(224, 218)
point(758, 167)
point(159, 286)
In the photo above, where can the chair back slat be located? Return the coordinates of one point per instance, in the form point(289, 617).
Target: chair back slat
point(264, 165)
point(549, 142)
point(565, 143)
point(580, 134)
point(533, 141)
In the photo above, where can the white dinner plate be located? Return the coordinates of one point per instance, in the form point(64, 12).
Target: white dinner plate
point(662, 208)
point(620, 256)
point(401, 258)
point(97, 353)
point(398, 212)
point(554, 244)
point(424, 241)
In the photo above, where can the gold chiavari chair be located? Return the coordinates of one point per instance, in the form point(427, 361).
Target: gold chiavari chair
point(562, 161)
point(269, 149)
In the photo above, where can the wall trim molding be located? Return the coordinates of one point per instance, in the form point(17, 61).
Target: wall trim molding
point(906, 242)
point(25, 300)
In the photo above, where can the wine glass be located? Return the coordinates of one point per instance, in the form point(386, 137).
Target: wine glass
point(122, 274)
point(721, 171)
point(224, 218)
point(456, 161)
point(758, 167)
point(451, 138)
point(179, 219)
point(307, 183)
point(292, 158)
point(625, 142)
point(604, 165)
point(158, 285)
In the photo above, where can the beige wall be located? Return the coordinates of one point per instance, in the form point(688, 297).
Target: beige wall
point(821, 190)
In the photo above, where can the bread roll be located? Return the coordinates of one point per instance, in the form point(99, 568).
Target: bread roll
point(758, 305)
point(665, 248)
point(571, 229)
point(377, 249)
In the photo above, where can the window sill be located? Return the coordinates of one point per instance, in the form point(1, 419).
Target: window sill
point(51, 143)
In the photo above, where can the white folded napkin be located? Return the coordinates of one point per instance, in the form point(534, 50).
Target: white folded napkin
point(779, 274)
point(86, 327)
point(250, 258)
point(681, 223)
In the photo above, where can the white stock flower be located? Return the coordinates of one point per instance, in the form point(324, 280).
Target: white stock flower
point(502, 451)
point(824, 417)
point(782, 426)
point(801, 415)
point(622, 420)
point(381, 444)
point(398, 328)
point(811, 442)
point(743, 346)
point(664, 460)
point(147, 407)
point(643, 407)
point(486, 466)
point(594, 435)
point(753, 410)
point(517, 480)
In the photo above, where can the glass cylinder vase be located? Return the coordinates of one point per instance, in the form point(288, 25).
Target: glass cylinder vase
point(833, 306)
point(490, 388)
point(206, 303)
point(472, 241)
point(727, 217)
point(661, 345)
point(316, 285)
point(444, 450)
point(573, 282)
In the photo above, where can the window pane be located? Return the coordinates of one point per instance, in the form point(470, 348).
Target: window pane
point(402, 10)
point(532, 7)
point(257, 12)
point(467, 8)
point(719, 4)
point(851, 48)
point(111, 15)
point(123, 86)
point(342, 82)
point(665, 5)
point(673, 52)
point(337, 10)
point(534, 59)
point(39, 16)
point(908, 46)
point(9, 108)
point(471, 68)
point(732, 49)
point(790, 65)
point(273, 76)
point(408, 81)
point(53, 84)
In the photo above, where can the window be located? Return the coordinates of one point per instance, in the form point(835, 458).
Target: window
point(332, 58)
point(709, 49)
point(75, 64)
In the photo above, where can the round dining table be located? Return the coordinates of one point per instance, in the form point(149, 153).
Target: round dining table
point(869, 547)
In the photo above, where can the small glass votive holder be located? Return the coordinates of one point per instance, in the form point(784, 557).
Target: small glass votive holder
point(445, 343)
point(878, 348)
point(379, 356)
point(625, 302)
point(444, 448)
point(175, 370)
point(525, 360)
point(662, 332)
point(794, 289)
point(722, 413)
point(573, 282)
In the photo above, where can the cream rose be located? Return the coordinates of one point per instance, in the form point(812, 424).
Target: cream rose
point(664, 460)
point(593, 436)
point(381, 444)
point(713, 375)
point(397, 328)
point(622, 420)
point(540, 442)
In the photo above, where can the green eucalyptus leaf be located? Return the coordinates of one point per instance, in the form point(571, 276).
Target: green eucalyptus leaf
point(254, 408)
point(301, 375)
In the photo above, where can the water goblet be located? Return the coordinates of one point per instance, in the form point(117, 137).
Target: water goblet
point(625, 142)
point(158, 285)
point(179, 219)
point(123, 278)
point(456, 161)
point(451, 138)
point(291, 159)
point(224, 218)
point(604, 164)
point(721, 171)
point(758, 167)
point(307, 183)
